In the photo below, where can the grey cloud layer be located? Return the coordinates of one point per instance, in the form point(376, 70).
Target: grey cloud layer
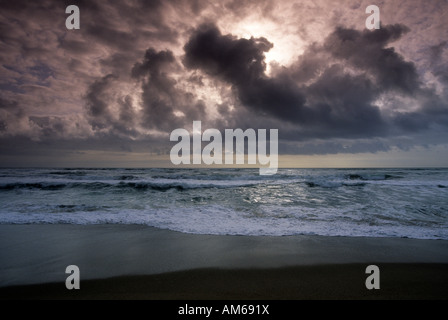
point(138, 69)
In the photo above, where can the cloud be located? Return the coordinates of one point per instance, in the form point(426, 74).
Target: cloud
point(240, 62)
point(335, 89)
point(11, 117)
point(367, 50)
point(165, 106)
point(138, 69)
point(335, 102)
point(438, 63)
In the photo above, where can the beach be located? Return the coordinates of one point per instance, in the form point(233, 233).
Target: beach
point(142, 262)
point(223, 150)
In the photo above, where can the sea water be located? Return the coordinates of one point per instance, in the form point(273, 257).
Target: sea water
point(409, 203)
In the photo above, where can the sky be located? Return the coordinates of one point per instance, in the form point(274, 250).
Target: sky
point(110, 93)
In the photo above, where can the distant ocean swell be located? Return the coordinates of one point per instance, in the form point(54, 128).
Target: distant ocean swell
point(334, 202)
point(179, 182)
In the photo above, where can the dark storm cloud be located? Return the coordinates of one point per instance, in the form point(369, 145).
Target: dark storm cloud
point(342, 105)
point(97, 107)
point(382, 71)
point(329, 92)
point(109, 114)
point(367, 50)
point(161, 98)
point(240, 62)
point(336, 103)
point(235, 60)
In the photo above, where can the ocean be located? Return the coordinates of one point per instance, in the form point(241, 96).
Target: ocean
point(408, 203)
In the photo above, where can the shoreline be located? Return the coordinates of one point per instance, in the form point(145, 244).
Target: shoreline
point(123, 261)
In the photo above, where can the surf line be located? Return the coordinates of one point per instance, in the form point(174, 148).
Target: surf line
point(212, 153)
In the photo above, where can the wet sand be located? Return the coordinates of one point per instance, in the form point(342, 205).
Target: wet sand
point(139, 262)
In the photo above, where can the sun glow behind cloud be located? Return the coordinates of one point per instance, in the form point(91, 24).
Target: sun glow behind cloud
point(287, 45)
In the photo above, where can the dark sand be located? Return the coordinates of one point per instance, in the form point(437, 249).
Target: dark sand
point(341, 281)
point(138, 262)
